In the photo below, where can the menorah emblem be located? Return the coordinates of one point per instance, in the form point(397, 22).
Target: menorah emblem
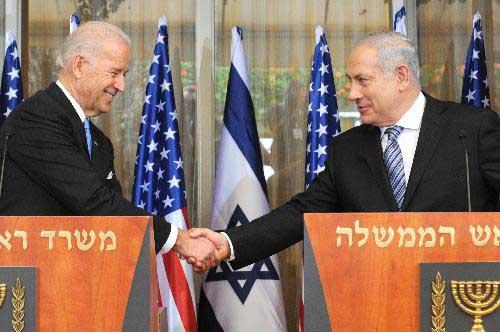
point(3, 290)
point(477, 299)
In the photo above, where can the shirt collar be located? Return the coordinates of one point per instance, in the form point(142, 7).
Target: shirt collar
point(412, 119)
point(74, 103)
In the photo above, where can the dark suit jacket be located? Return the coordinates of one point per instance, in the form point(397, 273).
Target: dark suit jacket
point(355, 179)
point(48, 170)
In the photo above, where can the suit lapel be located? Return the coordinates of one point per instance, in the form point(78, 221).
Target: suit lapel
point(76, 123)
point(431, 132)
point(102, 157)
point(371, 152)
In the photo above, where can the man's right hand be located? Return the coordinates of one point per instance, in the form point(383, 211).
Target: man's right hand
point(199, 250)
point(218, 240)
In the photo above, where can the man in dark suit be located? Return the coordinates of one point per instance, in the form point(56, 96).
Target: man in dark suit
point(57, 162)
point(408, 155)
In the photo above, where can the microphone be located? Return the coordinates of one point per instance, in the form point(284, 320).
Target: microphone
point(7, 135)
point(462, 137)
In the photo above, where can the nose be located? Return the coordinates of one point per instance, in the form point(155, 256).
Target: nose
point(120, 83)
point(353, 92)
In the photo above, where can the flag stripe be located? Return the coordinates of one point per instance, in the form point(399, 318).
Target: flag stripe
point(241, 173)
point(398, 16)
point(163, 289)
point(241, 125)
point(399, 21)
point(173, 318)
point(74, 23)
point(180, 290)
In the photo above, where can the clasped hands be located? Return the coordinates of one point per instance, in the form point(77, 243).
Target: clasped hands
point(202, 248)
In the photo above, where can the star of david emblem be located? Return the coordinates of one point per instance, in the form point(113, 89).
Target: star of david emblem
point(242, 281)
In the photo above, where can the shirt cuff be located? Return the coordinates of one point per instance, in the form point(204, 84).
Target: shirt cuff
point(172, 238)
point(231, 256)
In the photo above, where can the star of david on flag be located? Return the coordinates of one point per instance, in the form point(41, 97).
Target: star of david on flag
point(242, 281)
point(11, 92)
point(159, 186)
point(249, 299)
point(323, 120)
point(475, 89)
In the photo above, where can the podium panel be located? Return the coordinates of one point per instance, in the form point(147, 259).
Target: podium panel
point(362, 270)
point(92, 273)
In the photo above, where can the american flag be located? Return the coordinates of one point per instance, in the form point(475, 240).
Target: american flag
point(74, 23)
point(12, 88)
point(159, 186)
point(475, 89)
point(323, 120)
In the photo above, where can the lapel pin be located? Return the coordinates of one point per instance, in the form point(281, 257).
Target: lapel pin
point(110, 175)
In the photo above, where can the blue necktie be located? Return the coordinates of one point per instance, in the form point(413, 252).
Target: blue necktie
point(86, 125)
point(394, 164)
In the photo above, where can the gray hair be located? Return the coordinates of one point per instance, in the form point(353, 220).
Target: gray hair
point(394, 49)
point(88, 40)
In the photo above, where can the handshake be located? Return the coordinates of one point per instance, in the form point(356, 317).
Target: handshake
point(202, 248)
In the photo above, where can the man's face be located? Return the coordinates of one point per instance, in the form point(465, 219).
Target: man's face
point(375, 95)
point(102, 78)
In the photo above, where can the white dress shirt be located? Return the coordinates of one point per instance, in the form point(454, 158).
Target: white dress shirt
point(74, 103)
point(407, 140)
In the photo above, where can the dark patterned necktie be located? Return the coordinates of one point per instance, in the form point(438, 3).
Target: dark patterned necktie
point(394, 164)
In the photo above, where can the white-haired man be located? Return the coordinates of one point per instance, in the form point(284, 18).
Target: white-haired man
point(408, 155)
point(57, 161)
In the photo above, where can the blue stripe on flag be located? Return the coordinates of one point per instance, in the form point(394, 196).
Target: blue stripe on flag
point(241, 125)
point(399, 21)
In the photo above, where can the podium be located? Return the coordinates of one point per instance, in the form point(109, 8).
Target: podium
point(370, 271)
point(78, 273)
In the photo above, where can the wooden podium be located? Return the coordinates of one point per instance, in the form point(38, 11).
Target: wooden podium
point(362, 270)
point(92, 273)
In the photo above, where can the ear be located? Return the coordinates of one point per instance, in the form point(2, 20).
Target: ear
point(403, 75)
point(77, 65)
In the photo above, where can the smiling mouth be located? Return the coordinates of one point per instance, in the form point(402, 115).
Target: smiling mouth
point(109, 94)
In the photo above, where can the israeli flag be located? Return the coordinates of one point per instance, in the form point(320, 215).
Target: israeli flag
point(399, 16)
point(249, 299)
point(74, 23)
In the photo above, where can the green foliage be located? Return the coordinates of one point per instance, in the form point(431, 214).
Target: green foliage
point(270, 86)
